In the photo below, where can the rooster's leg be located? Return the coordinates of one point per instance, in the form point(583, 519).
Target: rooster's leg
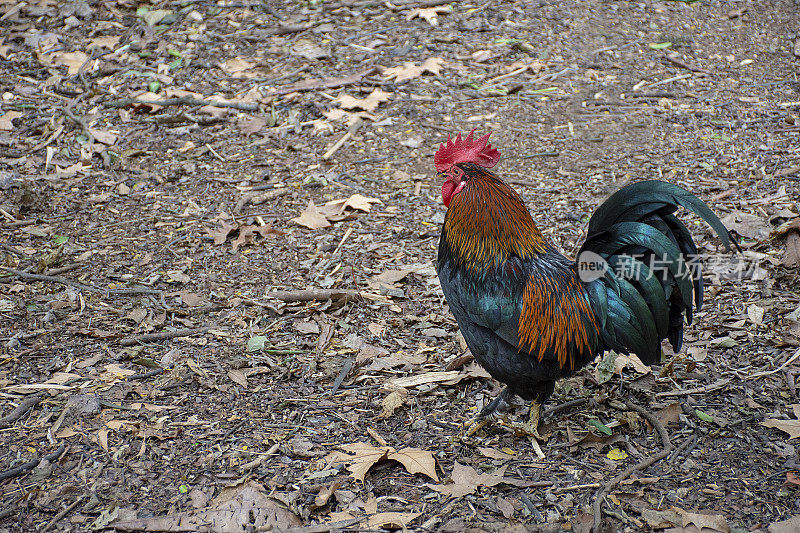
point(531, 427)
point(488, 412)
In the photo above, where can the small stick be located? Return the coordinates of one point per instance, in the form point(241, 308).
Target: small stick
point(675, 61)
point(164, 335)
point(670, 80)
point(183, 100)
point(20, 410)
point(319, 528)
point(698, 390)
point(30, 465)
point(564, 406)
point(53, 279)
point(662, 431)
point(346, 137)
point(577, 487)
point(346, 367)
point(63, 513)
point(788, 362)
point(146, 375)
point(310, 295)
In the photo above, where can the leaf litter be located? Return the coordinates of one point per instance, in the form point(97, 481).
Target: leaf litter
point(121, 138)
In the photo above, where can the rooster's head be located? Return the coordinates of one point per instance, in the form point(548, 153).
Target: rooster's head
point(462, 150)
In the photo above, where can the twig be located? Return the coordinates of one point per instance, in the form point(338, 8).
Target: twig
point(318, 528)
point(673, 58)
point(788, 362)
point(346, 137)
point(564, 406)
point(311, 295)
point(316, 84)
point(30, 465)
point(183, 100)
point(20, 410)
point(399, 5)
point(662, 432)
point(63, 513)
point(164, 335)
point(324, 266)
point(52, 279)
point(81, 286)
point(577, 487)
point(697, 390)
point(346, 367)
point(146, 375)
point(670, 80)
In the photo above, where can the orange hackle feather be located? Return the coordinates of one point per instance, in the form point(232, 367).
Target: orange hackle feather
point(486, 224)
point(555, 314)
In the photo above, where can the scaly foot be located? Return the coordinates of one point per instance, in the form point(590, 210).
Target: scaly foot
point(487, 413)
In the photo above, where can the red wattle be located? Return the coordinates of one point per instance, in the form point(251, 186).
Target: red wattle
point(447, 192)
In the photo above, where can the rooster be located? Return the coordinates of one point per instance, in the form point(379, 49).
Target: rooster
point(529, 314)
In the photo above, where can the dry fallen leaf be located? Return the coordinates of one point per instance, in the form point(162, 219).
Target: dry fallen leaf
point(6, 118)
point(392, 402)
point(237, 508)
point(747, 225)
point(391, 520)
point(714, 522)
point(792, 427)
point(360, 457)
point(238, 68)
point(670, 414)
point(72, 60)
point(792, 525)
point(309, 50)
point(428, 13)
point(410, 70)
point(466, 480)
point(312, 218)
point(632, 361)
point(339, 115)
point(250, 125)
point(370, 103)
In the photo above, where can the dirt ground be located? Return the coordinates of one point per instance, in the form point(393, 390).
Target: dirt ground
point(218, 303)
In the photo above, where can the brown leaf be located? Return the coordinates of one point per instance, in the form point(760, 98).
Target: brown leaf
point(632, 361)
point(792, 525)
point(505, 507)
point(747, 225)
point(792, 427)
point(715, 522)
point(361, 456)
point(7, 118)
point(236, 508)
point(410, 70)
point(238, 67)
point(221, 233)
point(370, 103)
point(392, 402)
point(791, 257)
point(429, 13)
point(247, 234)
point(312, 218)
point(250, 125)
point(492, 453)
point(391, 520)
point(466, 480)
point(238, 377)
point(310, 50)
point(191, 299)
point(670, 414)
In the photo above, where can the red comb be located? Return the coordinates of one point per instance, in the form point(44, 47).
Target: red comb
point(467, 150)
